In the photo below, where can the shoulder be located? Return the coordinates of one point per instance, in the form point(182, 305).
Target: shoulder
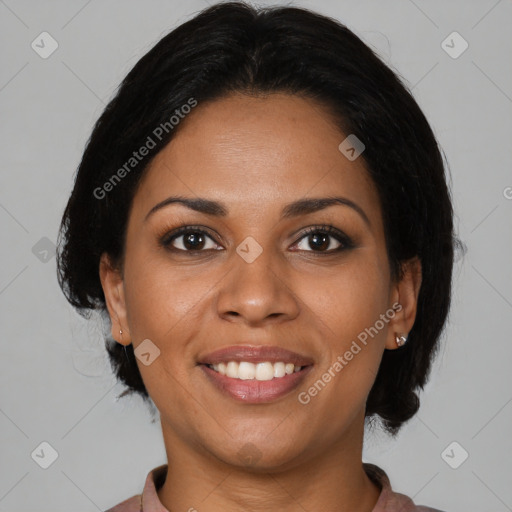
point(154, 480)
point(395, 501)
point(130, 505)
point(389, 500)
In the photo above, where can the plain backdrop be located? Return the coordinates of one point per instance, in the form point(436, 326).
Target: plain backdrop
point(56, 385)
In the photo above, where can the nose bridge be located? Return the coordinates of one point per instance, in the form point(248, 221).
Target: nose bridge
point(255, 262)
point(255, 288)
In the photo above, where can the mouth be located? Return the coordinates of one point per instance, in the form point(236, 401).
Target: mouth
point(252, 374)
point(245, 370)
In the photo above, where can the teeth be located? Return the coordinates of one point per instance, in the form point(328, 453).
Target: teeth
point(259, 371)
point(279, 370)
point(246, 371)
point(264, 371)
point(232, 369)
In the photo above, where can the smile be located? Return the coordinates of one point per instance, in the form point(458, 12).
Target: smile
point(245, 370)
point(255, 374)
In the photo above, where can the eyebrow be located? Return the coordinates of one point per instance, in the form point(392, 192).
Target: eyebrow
point(295, 209)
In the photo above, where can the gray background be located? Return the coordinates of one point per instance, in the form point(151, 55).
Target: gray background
point(55, 381)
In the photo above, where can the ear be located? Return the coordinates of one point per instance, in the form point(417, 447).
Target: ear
point(113, 288)
point(404, 297)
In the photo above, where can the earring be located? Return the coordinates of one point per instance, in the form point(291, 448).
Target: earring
point(400, 340)
point(121, 333)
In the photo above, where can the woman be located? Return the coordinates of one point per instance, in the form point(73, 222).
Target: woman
point(263, 212)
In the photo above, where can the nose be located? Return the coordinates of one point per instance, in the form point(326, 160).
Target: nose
point(257, 292)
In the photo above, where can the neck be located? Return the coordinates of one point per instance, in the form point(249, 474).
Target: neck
point(330, 480)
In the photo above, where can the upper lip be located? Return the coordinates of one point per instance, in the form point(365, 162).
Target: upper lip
point(255, 354)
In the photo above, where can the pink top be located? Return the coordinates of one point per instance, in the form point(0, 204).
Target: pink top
point(388, 501)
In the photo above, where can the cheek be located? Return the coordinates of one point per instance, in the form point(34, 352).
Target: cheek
point(349, 299)
point(347, 305)
point(167, 306)
point(159, 298)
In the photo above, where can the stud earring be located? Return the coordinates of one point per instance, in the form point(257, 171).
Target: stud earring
point(400, 340)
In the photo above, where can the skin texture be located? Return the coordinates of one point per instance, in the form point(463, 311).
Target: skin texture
point(255, 155)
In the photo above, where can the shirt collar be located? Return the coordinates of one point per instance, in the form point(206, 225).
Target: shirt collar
point(149, 498)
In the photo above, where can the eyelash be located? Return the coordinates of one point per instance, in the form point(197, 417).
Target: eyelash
point(345, 241)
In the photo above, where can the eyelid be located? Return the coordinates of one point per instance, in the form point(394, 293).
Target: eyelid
point(168, 235)
point(331, 231)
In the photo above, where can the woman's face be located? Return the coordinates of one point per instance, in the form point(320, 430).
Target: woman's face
point(263, 274)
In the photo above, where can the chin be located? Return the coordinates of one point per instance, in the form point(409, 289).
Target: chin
point(261, 456)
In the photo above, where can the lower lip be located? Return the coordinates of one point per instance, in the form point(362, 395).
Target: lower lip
point(256, 391)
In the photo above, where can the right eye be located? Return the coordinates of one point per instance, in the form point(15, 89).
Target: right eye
point(188, 239)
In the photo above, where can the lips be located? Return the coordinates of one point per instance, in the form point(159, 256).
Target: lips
point(255, 354)
point(255, 391)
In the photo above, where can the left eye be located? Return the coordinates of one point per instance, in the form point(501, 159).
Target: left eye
point(320, 241)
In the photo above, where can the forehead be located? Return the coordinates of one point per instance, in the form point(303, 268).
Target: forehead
point(253, 152)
